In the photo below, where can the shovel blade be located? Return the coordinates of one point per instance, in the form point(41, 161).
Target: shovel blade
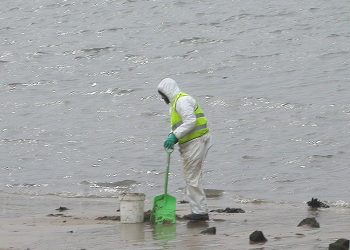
point(164, 209)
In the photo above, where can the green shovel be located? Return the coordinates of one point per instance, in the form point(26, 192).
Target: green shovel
point(164, 206)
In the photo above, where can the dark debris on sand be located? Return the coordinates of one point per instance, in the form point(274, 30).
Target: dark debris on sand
point(108, 218)
point(60, 209)
point(314, 203)
point(58, 215)
point(229, 210)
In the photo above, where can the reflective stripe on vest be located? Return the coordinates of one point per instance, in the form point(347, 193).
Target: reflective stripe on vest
point(201, 121)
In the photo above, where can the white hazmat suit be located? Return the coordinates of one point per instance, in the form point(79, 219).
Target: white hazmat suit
point(193, 153)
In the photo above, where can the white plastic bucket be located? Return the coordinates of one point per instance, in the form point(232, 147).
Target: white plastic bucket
point(131, 207)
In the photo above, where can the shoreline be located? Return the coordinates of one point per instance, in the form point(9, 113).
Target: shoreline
point(25, 224)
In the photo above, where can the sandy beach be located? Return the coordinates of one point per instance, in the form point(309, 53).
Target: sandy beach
point(32, 222)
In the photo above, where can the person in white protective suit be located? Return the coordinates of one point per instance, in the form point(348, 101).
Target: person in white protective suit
point(189, 129)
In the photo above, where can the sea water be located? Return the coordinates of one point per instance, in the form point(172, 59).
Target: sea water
point(80, 115)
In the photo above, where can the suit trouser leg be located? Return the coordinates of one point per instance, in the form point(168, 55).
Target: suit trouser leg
point(193, 154)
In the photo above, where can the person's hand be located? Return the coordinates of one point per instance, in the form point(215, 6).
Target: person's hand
point(170, 141)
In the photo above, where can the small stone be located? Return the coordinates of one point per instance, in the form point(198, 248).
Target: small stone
point(311, 222)
point(341, 244)
point(62, 209)
point(257, 237)
point(210, 230)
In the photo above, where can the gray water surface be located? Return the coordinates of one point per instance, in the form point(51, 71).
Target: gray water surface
point(80, 115)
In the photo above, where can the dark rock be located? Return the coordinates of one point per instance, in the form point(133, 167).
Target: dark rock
point(314, 203)
point(210, 230)
point(257, 237)
point(62, 209)
point(71, 231)
point(341, 244)
point(229, 210)
point(311, 222)
point(108, 218)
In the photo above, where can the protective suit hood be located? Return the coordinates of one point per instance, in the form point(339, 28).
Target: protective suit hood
point(169, 88)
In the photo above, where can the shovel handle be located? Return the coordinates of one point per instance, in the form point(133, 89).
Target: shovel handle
point(169, 150)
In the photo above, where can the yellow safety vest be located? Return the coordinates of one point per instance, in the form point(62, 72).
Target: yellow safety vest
point(201, 121)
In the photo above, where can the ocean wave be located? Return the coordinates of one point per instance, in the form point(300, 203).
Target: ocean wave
point(25, 185)
point(114, 92)
point(80, 195)
point(124, 184)
point(19, 141)
point(119, 91)
point(340, 203)
point(252, 201)
point(199, 40)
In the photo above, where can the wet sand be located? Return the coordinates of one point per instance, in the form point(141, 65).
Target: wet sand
point(25, 224)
